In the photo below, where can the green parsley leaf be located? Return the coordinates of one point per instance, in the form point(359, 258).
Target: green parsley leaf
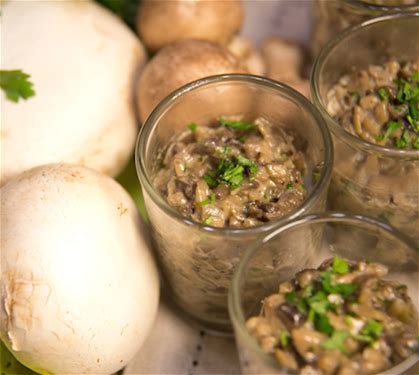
point(382, 93)
point(207, 221)
point(283, 338)
point(336, 341)
point(340, 265)
point(192, 126)
point(210, 180)
point(319, 302)
point(290, 297)
point(404, 140)
point(231, 171)
point(344, 289)
point(16, 85)
point(316, 175)
point(302, 306)
point(210, 200)
point(363, 338)
point(414, 115)
point(322, 324)
point(290, 185)
point(241, 125)
point(311, 315)
point(391, 127)
point(233, 175)
point(416, 143)
point(308, 291)
point(372, 328)
point(355, 96)
point(253, 168)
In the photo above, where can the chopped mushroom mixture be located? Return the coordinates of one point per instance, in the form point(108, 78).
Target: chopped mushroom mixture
point(342, 319)
point(380, 104)
point(233, 173)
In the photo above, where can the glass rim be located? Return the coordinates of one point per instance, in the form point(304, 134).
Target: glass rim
point(365, 4)
point(333, 125)
point(234, 305)
point(151, 121)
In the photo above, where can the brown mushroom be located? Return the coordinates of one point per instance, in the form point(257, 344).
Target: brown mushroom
point(284, 59)
point(163, 22)
point(178, 64)
point(248, 55)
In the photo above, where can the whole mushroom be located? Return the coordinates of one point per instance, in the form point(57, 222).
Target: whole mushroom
point(180, 63)
point(79, 287)
point(82, 61)
point(248, 55)
point(163, 22)
point(284, 58)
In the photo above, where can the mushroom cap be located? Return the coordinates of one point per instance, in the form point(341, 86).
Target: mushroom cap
point(178, 64)
point(79, 287)
point(284, 58)
point(82, 61)
point(162, 22)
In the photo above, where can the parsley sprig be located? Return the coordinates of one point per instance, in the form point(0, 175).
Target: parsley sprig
point(241, 125)
point(407, 95)
point(314, 301)
point(16, 85)
point(231, 171)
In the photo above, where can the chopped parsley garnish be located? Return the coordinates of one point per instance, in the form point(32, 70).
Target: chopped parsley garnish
point(192, 126)
point(211, 181)
point(207, 221)
point(16, 85)
point(316, 175)
point(231, 171)
point(404, 140)
point(290, 185)
point(355, 96)
point(340, 265)
point(391, 127)
point(241, 125)
point(319, 302)
point(322, 324)
point(284, 338)
point(290, 297)
point(210, 200)
point(404, 100)
point(372, 329)
point(336, 341)
point(382, 93)
point(344, 289)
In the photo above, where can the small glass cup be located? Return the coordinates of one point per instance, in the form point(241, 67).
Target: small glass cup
point(319, 237)
point(367, 178)
point(333, 16)
point(197, 260)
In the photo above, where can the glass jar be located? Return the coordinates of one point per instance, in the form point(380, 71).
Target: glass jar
point(320, 236)
point(367, 178)
point(197, 260)
point(333, 16)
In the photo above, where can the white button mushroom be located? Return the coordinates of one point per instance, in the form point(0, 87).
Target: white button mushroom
point(82, 61)
point(180, 63)
point(166, 21)
point(79, 287)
